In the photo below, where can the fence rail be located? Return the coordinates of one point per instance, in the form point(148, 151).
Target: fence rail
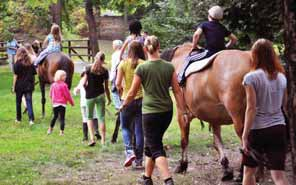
point(74, 48)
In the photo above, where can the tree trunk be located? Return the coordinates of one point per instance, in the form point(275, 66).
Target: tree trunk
point(125, 13)
point(56, 13)
point(92, 34)
point(98, 17)
point(289, 16)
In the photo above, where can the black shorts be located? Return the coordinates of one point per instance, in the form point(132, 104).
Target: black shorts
point(270, 143)
point(154, 126)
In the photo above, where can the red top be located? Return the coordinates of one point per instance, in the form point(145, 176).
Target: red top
point(60, 94)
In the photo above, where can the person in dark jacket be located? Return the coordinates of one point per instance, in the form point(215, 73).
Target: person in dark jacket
point(23, 83)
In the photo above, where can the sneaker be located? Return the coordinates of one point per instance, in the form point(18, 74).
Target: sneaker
point(49, 131)
point(138, 165)
point(31, 123)
point(91, 144)
point(169, 181)
point(61, 133)
point(129, 160)
point(98, 136)
point(144, 181)
point(17, 121)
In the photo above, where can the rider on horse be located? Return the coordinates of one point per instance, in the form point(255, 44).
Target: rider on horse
point(53, 43)
point(214, 33)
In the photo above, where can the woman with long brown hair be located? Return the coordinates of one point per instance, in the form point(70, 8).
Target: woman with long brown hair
point(23, 83)
point(264, 131)
point(131, 116)
point(96, 86)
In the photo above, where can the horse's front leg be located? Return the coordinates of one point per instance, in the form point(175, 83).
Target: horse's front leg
point(227, 171)
point(43, 100)
point(184, 127)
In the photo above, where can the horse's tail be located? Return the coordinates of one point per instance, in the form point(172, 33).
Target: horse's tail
point(67, 65)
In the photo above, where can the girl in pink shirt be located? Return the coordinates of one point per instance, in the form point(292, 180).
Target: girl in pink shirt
point(60, 95)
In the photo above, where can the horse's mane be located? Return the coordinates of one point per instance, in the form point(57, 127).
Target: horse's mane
point(168, 54)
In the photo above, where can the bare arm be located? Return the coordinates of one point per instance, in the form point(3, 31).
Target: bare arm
point(136, 85)
point(249, 115)
point(181, 106)
point(196, 37)
point(178, 94)
point(232, 40)
point(107, 92)
point(119, 79)
point(122, 49)
point(285, 102)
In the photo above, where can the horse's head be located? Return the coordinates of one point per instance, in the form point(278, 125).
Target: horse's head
point(177, 54)
point(36, 46)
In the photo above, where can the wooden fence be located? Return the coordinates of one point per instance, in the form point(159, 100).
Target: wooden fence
point(74, 48)
point(78, 48)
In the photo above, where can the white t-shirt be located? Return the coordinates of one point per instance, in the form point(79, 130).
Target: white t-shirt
point(114, 64)
point(269, 98)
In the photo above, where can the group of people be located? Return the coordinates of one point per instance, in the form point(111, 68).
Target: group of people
point(23, 60)
point(140, 82)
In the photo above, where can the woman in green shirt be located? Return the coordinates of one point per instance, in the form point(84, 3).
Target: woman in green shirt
point(156, 76)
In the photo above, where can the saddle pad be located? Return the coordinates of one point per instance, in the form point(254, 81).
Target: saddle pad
point(200, 65)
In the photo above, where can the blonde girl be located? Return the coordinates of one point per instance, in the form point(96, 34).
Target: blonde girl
point(60, 96)
point(52, 43)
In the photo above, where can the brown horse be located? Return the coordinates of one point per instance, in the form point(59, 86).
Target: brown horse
point(215, 95)
point(47, 69)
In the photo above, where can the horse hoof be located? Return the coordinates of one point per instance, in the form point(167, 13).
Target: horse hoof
point(182, 167)
point(227, 174)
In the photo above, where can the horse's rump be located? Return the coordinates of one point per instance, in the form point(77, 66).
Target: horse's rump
point(54, 62)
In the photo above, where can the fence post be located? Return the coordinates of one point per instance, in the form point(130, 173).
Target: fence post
point(88, 50)
point(69, 48)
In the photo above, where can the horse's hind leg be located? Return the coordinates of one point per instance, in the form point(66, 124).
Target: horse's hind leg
point(227, 171)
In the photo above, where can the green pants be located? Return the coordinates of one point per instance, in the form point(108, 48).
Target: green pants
point(99, 102)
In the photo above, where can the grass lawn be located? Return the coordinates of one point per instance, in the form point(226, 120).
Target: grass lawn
point(29, 156)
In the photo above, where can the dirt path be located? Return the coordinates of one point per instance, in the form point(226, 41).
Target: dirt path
point(106, 169)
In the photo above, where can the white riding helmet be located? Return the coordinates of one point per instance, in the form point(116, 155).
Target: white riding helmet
point(216, 12)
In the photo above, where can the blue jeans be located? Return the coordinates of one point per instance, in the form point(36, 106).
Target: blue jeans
point(28, 97)
point(116, 99)
point(131, 124)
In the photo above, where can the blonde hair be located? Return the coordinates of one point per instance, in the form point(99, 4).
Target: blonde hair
point(264, 57)
point(117, 44)
point(56, 32)
point(152, 44)
point(60, 75)
point(23, 56)
point(99, 60)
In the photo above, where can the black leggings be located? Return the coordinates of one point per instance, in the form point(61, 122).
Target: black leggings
point(154, 126)
point(58, 111)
